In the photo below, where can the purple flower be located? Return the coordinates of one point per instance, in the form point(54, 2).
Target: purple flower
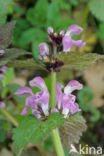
point(68, 42)
point(3, 69)
point(65, 101)
point(44, 51)
point(39, 102)
point(2, 104)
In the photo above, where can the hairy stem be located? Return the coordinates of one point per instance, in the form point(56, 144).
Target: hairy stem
point(9, 117)
point(55, 132)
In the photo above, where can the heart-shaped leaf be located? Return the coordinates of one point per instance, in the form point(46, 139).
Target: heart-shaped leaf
point(6, 32)
point(72, 129)
point(34, 131)
point(78, 61)
point(11, 54)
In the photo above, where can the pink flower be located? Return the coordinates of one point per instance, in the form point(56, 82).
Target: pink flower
point(39, 102)
point(2, 104)
point(65, 101)
point(68, 42)
point(44, 51)
point(3, 69)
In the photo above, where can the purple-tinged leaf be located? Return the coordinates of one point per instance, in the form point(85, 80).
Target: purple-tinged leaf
point(11, 54)
point(6, 32)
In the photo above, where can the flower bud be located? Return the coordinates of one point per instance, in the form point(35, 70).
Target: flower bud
point(44, 51)
point(50, 30)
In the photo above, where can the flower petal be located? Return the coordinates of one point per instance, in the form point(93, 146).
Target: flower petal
point(71, 86)
point(25, 111)
point(36, 113)
point(44, 102)
point(74, 108)
point(24, 91)
point(2, 104)
point(78, 43)
point(44, 50)
point(39, 83)
point(59, 94)
point(67, 43)
point(68, 105)
point(3, 69)
point(50, 30)
point(31, 102)
point(74, 29)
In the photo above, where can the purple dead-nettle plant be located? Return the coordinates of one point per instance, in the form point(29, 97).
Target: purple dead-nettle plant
point(58, 42)
point(39, 102)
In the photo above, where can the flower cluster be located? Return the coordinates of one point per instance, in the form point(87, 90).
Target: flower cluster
point(61, 39)
point(39, 102)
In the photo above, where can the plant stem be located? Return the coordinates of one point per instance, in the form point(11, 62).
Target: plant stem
point(53, 89)
point(9, 117)
point(55, 132)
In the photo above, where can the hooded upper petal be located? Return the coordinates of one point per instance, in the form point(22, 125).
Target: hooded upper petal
point(71, 86)
point(24, 91)
point(74, 29)
point(39, 83)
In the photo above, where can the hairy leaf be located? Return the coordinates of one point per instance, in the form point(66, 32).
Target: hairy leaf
point(11, 54)
point(4, 8)
point(28, 63)
point(6, 32)
point(72, 129)
point(79, 61)
point(97, 9)
point(34, 131)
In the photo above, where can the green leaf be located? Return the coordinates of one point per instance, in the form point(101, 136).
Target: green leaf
point(53, 10)
point(30, 36)
point(6, 32)
point(78, 61)
point(11, 54)
point(9, 75)
point(28, 63)
point(72, 129)
point(100, 31)
point(97, 9)
point(34, 131)
point(37, 15)
point(5, 5)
